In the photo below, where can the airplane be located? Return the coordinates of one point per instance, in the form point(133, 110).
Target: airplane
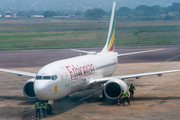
point(64, 77)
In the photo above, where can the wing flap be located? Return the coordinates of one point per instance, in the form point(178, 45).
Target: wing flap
point(122, 77)
point(29, 74)
point(159, 73)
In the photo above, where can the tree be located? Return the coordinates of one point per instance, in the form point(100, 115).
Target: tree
point(123, 11)
point(58, 13)
point(78, 12)
point(176, 7)
point(21, 13)
point(49, 14)
point(148, 11)
point(141, 8)
point(157, 10)
point(139, 11)
point(95, 13)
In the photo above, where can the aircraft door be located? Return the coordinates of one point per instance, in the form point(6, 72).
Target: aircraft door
point(65, 76)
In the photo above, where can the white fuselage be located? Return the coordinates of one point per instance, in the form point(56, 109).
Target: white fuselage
point(73, 74)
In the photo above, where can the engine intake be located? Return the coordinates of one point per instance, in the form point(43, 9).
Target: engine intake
point(28, 89)
point(113, 88)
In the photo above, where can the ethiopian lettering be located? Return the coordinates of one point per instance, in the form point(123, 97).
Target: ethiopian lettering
point(77, 72)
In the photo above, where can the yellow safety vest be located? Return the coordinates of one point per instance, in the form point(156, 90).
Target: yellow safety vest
point(37, 105)
point(125, 94)
point(44, 105)
point(132, 88)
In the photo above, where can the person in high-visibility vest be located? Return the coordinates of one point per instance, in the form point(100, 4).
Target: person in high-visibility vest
point(44, 108)
point(131, 90)
point(125, 94)
point(38, 107)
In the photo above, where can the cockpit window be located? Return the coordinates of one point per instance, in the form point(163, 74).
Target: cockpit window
point(38, 77)
point(54, 77)
point(46, 77)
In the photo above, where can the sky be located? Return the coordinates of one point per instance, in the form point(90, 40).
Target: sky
point(82, 5)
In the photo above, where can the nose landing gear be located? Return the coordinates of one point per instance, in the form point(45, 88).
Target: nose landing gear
point(49, 107)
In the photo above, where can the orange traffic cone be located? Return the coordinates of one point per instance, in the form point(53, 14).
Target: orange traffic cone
point(118, 103)
point(32, 118)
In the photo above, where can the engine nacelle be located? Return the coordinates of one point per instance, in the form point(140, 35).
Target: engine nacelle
point(113, 88)
point(28, 89)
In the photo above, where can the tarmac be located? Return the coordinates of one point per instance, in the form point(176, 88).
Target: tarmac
point(156, 98)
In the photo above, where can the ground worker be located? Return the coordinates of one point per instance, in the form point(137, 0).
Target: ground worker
point(38, 107)
point(125, 94)
point(131, 90)
point(44, 109)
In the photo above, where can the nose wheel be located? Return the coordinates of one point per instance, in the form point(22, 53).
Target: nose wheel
point(49, 107)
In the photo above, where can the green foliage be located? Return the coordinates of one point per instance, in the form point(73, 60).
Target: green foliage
point(175, 7)
point(76, 34)
point(157, 10)
point(123, 11)
point(48, 14)
point(95, 13)
point(59, 13)
point(78, 12)
point(21, 13)
point(141, 12)
point(141, 8)
point(144, 12)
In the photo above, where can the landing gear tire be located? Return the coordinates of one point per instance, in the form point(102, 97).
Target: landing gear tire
point(49, 107)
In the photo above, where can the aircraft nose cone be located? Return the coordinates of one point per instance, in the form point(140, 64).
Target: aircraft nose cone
point(40, 89)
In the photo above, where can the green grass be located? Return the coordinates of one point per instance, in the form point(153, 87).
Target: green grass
point(77, 34)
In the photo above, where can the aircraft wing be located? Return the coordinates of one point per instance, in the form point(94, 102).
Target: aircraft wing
point(122, 77)
point(20, 73)
point(81, 51)
point(146, 74)
point(132, 53)
point(100, 80)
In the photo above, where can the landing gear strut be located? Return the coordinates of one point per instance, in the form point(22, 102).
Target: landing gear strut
point(49, 107)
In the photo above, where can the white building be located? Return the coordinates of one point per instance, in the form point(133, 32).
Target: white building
point(8, 16)
point(37, 16)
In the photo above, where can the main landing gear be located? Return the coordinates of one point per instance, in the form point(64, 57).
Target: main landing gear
point(103, 95)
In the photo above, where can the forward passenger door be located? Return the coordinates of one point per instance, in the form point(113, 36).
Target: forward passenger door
point(65, 76)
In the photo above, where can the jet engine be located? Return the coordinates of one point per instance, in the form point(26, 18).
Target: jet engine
point(113, 88)
point(28, 88)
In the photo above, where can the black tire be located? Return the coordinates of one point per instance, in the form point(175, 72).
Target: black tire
point(103, 94)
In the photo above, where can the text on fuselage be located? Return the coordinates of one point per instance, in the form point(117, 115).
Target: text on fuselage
point(77, 72)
